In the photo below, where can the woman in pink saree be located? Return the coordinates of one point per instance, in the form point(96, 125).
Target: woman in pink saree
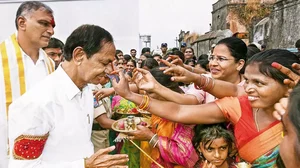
point(171, 142)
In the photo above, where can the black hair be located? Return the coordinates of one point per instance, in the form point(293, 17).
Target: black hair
point(165, 80)
point(145, 49)
point(266, 58)
point(150, 63)
point(175, 49)
point(157, 55)
point(127, 57)
point(148, 55)
point(90, 37)
point(297, 44)
point(55, 43)
point(178, 53)
point(29, 6)
point(203, 61)
point(237, 48)
point(190, 60)
point(207, 133)
point(118, 52)
point(133, 50)
point(252, 50)
point(133, 61)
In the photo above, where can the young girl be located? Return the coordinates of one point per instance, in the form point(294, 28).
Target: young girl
point(214, 143)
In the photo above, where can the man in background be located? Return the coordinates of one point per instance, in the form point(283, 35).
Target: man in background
point(183, 47)
point(55, 50)
point(133, 54)
point(164, 49)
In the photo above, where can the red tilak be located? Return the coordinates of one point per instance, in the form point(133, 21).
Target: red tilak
point(52, 22)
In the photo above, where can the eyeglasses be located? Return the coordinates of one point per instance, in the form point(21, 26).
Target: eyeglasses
point(218, 58)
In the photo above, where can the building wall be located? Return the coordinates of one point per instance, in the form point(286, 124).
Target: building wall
point(285, 22)
point(219, 15)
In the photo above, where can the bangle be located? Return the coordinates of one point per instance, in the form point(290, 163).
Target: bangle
point(202, 82)
point(145, 103)
point(206, 83)
point(156, 143)
point(152, 137)
point(153, 141)
point(211, 84)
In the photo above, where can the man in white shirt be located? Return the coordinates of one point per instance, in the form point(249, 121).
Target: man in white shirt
point(51, 126)
point(22, 61)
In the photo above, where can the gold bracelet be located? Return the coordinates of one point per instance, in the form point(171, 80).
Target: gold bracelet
point(143, 101)
point(146, 103)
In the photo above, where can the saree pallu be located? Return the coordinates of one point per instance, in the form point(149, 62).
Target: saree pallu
point(256, 147)
point(132, 152)
point(268, 160)
point(175, 149)
point(145, 162)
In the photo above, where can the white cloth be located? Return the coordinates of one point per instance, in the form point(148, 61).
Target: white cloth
point(65, 112)
point(33, 74)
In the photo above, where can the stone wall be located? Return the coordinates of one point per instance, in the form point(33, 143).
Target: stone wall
point(204, 42)
point(285, 23)
point(281, 29)
point(222, 18)
point(219, 15)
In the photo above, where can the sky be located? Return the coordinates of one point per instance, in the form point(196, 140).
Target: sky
point(163, 19)
point(124, 19)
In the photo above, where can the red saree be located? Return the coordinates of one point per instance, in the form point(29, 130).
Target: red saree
point(252, 145)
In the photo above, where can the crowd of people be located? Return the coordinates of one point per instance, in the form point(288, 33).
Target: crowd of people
point(236, 106)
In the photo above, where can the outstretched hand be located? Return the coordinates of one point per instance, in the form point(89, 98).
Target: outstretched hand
point(175, 59)
point(144, 80)
point(294, 78)
point(179, 74)
point(102, 159)
point(103, 92)
point(121, 87)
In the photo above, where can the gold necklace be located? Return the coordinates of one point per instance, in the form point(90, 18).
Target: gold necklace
point(255, 119)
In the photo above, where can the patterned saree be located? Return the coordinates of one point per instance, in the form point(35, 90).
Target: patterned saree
point(175, 147)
